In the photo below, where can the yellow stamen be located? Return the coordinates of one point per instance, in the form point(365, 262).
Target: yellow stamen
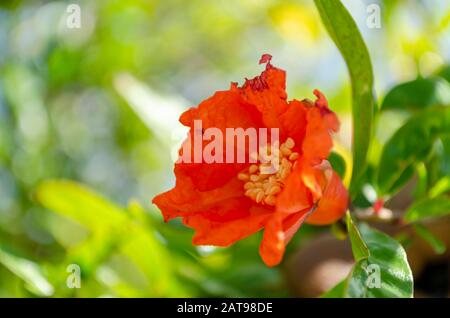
point(293, 156)
point(249, 185)
point(259, 196)
point(243, 176)
point(264, 187)
point(286, 151)
point(269, 200)
point(253, 169)
point(289, 143)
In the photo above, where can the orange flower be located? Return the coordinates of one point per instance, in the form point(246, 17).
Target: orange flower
point(225, 202)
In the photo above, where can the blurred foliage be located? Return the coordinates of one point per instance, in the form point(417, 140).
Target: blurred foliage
point(97, 107)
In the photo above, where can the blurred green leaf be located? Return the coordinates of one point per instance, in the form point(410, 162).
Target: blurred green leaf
point(337, 291)
point(445, 73)
point(438, 167)
point(406, 175)
point(112, 230)
point(359, 248)
point(418, 94)
point(428, 208)
point(410, 144)
point(338, 163)
point(153, 260)
point(29, 272)
point(440, 187)
point(80, 204)
point(345, 34)
point(437, 245)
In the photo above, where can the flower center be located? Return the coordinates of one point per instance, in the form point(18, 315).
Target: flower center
point(263, 187)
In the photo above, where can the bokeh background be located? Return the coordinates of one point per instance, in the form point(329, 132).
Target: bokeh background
point(99, 105)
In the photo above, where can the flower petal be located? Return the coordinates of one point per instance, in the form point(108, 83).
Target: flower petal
point(186, 199)
point(314, 174)
point(293, 122)
point(226, 109)
point(278, 231)
point(295, 196)
point(321, 122)
point(210, 198)
point(224, 233)
point(268, 93)
point(333, 204)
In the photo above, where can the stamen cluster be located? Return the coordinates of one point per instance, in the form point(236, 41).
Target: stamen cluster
point(263, 187)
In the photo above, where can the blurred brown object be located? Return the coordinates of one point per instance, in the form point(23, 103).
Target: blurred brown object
point(319, 265)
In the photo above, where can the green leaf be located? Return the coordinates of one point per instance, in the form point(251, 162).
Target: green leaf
point(29, 272)
point(80, 204)
point(150, 256)
point(380, 271)
point(440, 187)
point(338, 163)
point(346, 36)
point(418, 94)
point(437, 245)
point(337, 291)
point(410, 144)
point(445, 73)
point(438, 166)
point(359, 248)
point(428, 208)
point(385, 273)
point(113, 230)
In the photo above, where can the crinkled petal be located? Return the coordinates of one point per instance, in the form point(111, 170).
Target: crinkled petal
point(226, 109)
point(268, 93)
point(321, 122)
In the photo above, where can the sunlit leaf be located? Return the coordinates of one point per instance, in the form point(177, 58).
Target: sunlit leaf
point(159, 113)
point(359, 248)
point(113, 230)
point(410, 144)
point(440, 187)
point(346, 36)
point(428, 208)
point(153, 260)
point(445, 73)
point(418, 94)
point(437, 245)
point(385, 273)
point(80, 204)
point(405, 176)
point(382, 271)
point(29, 272)
point(438, 167)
